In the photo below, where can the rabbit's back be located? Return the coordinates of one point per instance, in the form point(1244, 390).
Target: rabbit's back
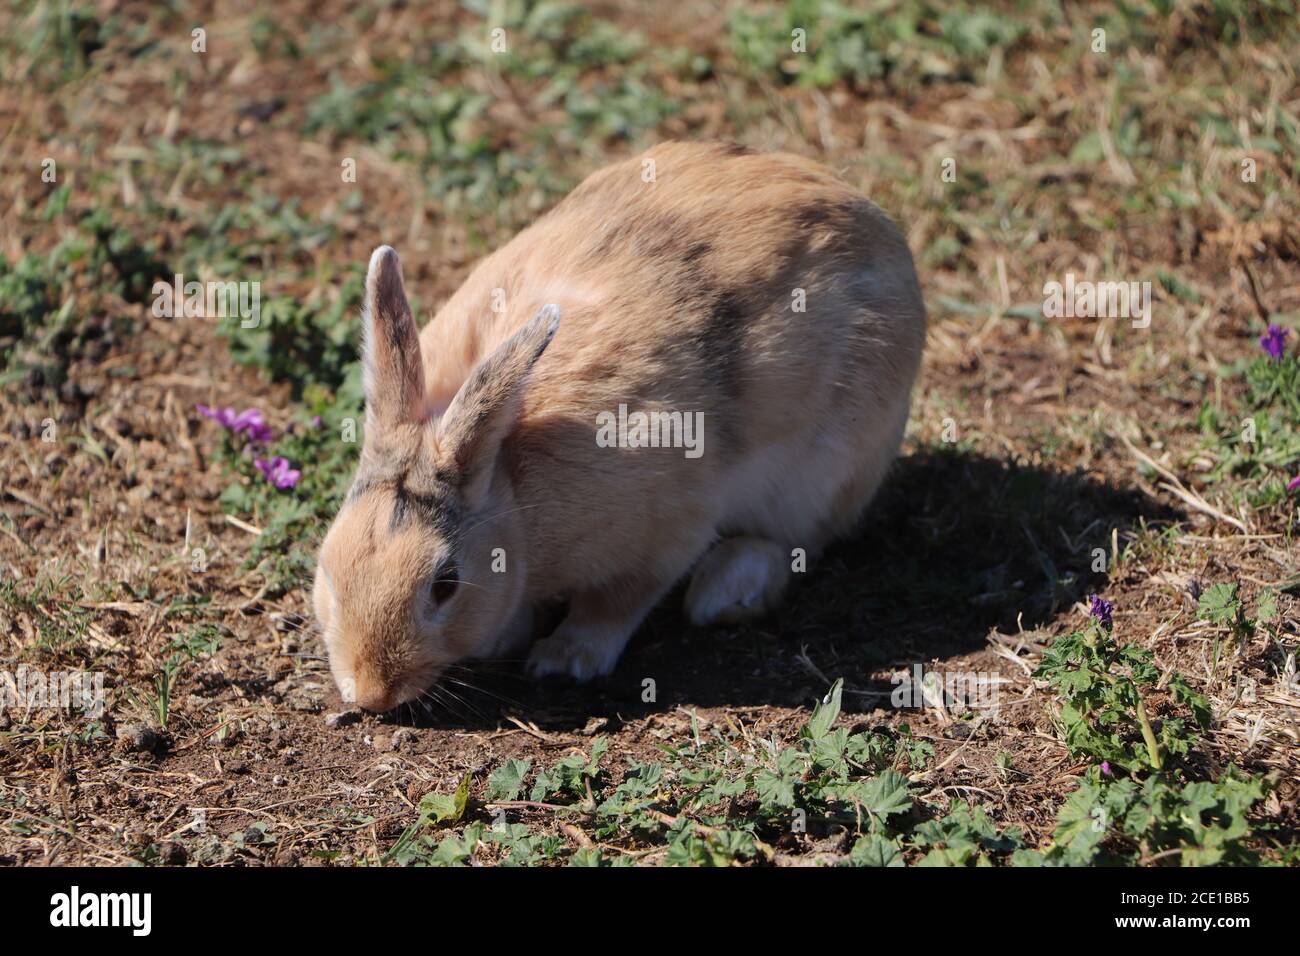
point(756, 289)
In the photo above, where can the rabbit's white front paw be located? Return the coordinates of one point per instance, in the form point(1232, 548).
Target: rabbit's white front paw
point(740, 578)
point(582, 653)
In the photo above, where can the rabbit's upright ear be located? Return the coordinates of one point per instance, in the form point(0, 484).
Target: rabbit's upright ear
point(392, 363)
point(486, 406)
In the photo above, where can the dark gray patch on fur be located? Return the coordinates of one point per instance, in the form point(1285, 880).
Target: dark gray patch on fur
point(653, 238)
point(718, 330)
point(401, 338)
point(436, 510)
point(395, 358)
point(735, 149)
point(480, 397)
point(435, 505)
point(719, 342)
point(718, 314)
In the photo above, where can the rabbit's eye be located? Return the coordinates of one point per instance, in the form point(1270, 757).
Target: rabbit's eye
point(444, 584)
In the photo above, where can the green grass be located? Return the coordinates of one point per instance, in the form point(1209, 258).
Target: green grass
point(195, 643)
point(52, 607)
point(1254, 440)
point(823, 43)
point(1127, 822)
point(433, 110)
point(57, 39)
point(717, 799)
point(54, 308)
point(725, 798)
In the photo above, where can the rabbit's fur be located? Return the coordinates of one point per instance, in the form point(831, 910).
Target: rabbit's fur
point(679, 278)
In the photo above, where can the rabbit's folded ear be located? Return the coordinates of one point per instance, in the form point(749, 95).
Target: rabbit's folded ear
point(392, 362)
point(485, 408)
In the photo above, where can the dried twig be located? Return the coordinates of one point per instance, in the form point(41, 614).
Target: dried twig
point(1177, 488)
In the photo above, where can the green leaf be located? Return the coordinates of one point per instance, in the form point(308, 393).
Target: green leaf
point(828, 751)
point(883, 795)
point(717, 848)
point(571, 773)
point(1266, 607)
point(507, 781)
point(440, 807)
point(1027, 858)
point(586, 856)
point(872, 751)
point(949, 856)
point(1082, 822)
point(1219, 603)
point(772, 790)
point(1087, 149)
point(824, 714)
point(875, 850)
point(456, 850)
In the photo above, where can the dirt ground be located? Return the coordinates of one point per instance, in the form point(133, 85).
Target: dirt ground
point(1033, 442)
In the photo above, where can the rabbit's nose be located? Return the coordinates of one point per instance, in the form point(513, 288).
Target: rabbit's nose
point(376, 696)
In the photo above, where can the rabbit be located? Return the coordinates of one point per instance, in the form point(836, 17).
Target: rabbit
point(755, 295)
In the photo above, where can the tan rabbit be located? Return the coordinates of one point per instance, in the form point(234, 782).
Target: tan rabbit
point(763, 319)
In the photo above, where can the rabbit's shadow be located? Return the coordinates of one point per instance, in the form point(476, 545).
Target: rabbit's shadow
point(955, 544)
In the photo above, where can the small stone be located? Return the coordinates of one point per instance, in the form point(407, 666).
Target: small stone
point(137, 737)
point(279, 780)
point(342, 719)
point(593, 724)
point(173, 853)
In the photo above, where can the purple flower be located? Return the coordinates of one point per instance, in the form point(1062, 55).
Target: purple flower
point(1274, 340)
point(1293, 484)
point(223, 416)
point(249, 421)
point(1100, 608)
point(1105, 768)
point(278, 471)
point(315, 421)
